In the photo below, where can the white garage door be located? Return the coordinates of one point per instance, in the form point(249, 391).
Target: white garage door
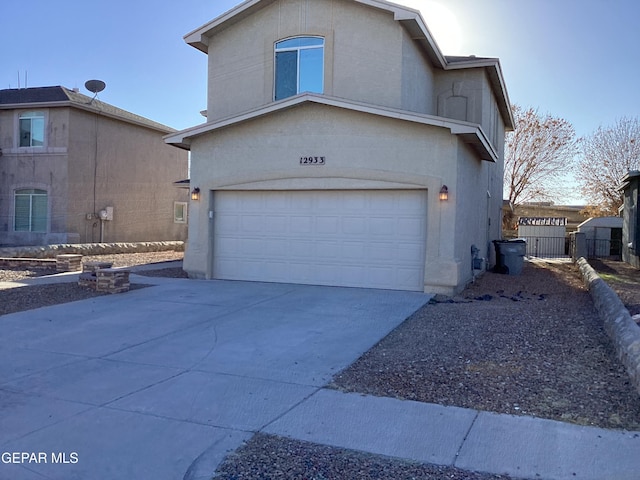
point(353, 238)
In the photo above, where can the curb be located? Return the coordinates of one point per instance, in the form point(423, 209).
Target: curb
point(617, 320)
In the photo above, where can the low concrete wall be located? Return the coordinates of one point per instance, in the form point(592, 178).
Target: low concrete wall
point(617, 321)
point(50, 251)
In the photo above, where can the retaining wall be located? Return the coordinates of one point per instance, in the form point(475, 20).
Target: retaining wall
point(50, 251)
point(618, 323)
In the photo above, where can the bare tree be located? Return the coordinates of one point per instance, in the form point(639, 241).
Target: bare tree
point(538, 153)
point(608, 154)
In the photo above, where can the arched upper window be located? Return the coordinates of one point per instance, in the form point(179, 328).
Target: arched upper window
point(32, 129)
point(31, 207)
point(299, 66)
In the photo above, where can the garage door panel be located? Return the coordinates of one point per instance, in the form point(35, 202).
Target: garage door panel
point(228, 223)
point(328, 225)
point(406, 252)
point(251, 247)
point(227, 247)
point(301, 224)
point(381, 252)
point(279, 270)
point(275, 247)
point(351, 274)
point(299, 248)
point(355, 251)
point(370, 239)
point(409, 276)
point(410, 227)
point(382, 227)
point(354, 226)
point(328, 251)
point(275, 224)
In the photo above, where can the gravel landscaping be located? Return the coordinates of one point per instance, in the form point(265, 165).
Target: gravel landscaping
point(270, 457)
point(26, 298)
point(521, 345)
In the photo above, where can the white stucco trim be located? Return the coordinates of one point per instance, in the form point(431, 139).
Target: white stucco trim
point(471, 133)
point(330, 178)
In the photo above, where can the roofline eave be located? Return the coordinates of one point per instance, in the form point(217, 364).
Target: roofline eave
point(470, 132)
point(86, 108)
point(494, 68)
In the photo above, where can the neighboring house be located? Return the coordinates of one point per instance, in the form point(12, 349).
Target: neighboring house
point(73, 169)
point(333, 129)
point(631, 218)
point(603, 236)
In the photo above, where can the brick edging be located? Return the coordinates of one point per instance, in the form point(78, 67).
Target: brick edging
point(617, 320)
point(51, 251)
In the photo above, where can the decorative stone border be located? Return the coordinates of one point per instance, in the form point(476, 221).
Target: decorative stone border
point(617, 320)
point(66, 262)
point(51, 251)
point(17, 262)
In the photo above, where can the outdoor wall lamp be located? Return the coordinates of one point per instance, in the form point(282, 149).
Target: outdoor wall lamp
point(195, 194)
point(444, 193)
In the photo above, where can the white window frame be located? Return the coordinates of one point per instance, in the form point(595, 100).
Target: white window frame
point(297, 49)
point(16, 193)
point(31, 115)
point(185, 212)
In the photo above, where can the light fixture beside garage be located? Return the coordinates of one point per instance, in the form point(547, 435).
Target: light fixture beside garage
point(444, 193)
point(195, 194)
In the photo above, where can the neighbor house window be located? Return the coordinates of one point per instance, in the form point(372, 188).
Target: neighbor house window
point(31, 210)
point(299, 66)
point(180, 212)
point(31, 129)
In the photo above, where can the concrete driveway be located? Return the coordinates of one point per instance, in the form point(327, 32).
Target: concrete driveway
point(162, 382)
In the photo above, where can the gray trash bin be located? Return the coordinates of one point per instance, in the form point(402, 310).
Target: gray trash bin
point(510, 256)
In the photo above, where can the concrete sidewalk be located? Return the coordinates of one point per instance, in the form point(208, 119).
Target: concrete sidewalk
point(163, 382)
point(523, 447)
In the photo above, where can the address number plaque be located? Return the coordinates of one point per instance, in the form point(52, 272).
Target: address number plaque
point(312, 160)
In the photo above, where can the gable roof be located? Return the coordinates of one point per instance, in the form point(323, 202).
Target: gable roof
point(470, 133)
point(409, 18)
point(57, 96)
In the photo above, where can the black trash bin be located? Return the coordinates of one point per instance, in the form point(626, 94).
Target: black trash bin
point(510, 255)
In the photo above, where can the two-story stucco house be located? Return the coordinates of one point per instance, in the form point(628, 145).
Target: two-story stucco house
point(343, 148)
point(77, 170)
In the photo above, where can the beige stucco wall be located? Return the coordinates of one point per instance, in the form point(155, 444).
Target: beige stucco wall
point(362, 151)
point(41, 168)
point(467, 95)
point(133, 171)
point(386, 68)
point(135, 174)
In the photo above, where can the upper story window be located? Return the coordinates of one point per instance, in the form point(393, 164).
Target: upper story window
point(31, 126)
point(31, 210)
point(299, 66)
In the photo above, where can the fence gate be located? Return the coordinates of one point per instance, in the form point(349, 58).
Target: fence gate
point(545, 236)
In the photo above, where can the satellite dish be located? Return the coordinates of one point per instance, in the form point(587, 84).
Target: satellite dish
point(95, 86)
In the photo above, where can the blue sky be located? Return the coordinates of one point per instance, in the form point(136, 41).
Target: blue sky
point(576, 59)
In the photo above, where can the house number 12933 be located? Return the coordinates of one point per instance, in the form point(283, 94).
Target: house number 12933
point(311, 160)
